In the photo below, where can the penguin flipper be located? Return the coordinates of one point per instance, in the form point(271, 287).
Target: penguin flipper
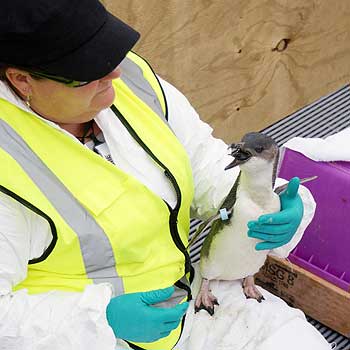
point(204, 225)
point(283, 187)
point(227, 205)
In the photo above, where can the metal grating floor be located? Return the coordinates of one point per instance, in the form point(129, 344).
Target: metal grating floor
point(340, 342)
point(324, 117)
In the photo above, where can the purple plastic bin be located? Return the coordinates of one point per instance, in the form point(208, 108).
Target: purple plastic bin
point(325, 247)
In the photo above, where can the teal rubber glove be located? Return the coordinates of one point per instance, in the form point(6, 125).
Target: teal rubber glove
point(132, 316)
point(276, 230)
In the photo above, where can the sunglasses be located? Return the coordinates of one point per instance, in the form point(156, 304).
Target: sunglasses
point(65, 81)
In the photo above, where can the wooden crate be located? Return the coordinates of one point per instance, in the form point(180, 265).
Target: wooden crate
point(318, 298)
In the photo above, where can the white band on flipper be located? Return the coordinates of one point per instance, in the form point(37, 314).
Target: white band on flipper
point(223, 214)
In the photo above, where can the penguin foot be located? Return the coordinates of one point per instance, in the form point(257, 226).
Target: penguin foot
point(205, 302)
point(205, 299)
point(250, 290)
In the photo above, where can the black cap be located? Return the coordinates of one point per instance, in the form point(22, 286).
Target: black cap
point(74, 39)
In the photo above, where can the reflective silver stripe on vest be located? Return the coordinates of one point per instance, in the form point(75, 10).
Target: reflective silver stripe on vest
point(132, 76)
point(99, 259)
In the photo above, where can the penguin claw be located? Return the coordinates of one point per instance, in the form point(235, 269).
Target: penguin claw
point(209, 309)
point(258, 298)
point(261, 299)
point(250, 290)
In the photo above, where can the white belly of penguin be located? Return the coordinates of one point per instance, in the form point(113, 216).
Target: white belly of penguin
point(232, 253)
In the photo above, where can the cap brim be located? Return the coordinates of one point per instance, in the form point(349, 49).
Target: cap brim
point(97, 57)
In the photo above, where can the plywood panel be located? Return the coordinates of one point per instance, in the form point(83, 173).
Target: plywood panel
point(244, 63)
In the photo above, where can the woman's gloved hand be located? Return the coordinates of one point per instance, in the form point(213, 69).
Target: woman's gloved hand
point(132, 316)
point(276, 230)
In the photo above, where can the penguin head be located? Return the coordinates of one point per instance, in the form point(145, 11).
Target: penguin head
point(254, 149)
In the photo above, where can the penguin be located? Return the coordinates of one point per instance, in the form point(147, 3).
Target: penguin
point(227, 252)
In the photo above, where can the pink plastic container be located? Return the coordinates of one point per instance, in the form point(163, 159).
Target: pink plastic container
point(325, 247)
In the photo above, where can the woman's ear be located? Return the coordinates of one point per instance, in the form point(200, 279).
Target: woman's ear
point(20, 80)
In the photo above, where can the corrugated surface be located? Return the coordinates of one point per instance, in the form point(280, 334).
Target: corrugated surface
point(324, 117)
point(339, 341)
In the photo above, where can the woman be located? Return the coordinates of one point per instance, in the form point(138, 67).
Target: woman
point(95, 189)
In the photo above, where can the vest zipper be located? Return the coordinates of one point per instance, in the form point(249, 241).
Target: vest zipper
point(173, 212)
point(173, 220)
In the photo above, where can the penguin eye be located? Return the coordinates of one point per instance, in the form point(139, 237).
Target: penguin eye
point(259, 149)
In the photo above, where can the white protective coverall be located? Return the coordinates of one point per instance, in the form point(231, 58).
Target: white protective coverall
point(77, 321)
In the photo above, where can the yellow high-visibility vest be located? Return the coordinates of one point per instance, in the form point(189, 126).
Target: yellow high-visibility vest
point(106, 226)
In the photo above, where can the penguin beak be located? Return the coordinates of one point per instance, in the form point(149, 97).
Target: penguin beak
point(240, 154)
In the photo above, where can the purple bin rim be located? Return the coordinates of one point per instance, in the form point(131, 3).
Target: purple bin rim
point(319, 272)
